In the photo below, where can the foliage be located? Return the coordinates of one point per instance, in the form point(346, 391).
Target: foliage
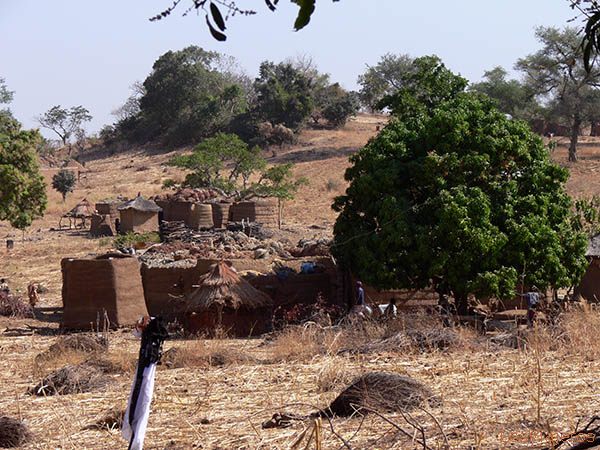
point(66, 123)
point(337, 105)
point(588, 215)
point(512, 96)
point(6, 96)
point(226, 162)
point(131, 239)
point(457, 193)
point(557, 75)
point(208, 159)
point(422, 88)
point(283, 94)
point(64, 181)
point(590, 10)
point(383, 79)
point(215, 21)
point(22, 188)
point(278, 181)
point(185, 98)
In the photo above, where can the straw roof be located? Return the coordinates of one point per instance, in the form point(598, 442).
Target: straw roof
point(222, 286)
point(140, 204)
point(594, 246)
point(82, 209)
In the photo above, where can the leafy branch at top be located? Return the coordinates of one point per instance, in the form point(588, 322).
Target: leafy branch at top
point(215, 20)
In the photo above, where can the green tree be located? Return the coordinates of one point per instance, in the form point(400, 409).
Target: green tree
point(22, 188)
point(219, 154)
point(556, 74)
point(186, 98)
point(421, 89)
point(512, 96)
point(64, 182)
point(66, 123)
point(283, 95)
point(457, 194)
point(383, 79)
point(336, 105)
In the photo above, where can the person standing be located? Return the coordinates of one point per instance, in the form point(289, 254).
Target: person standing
point(360, 294)
point(533, 300)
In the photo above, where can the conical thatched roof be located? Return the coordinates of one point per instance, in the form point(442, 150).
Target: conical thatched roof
point(222, 286)
point(83, 209)
point(140, 204)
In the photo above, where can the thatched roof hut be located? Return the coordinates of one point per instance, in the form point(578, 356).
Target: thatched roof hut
point(82, 210)
point(139, 215)
point(227, 301)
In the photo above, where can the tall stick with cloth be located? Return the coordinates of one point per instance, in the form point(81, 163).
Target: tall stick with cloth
point(153, 335)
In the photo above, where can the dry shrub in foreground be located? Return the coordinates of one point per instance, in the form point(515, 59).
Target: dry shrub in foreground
point(296, 343)
point(196, 354)
point(110, 420)
point(578, 332)
point(76, 379)
point(381, 392)
point(13, 433)
point(14, 306)
point(85, 343)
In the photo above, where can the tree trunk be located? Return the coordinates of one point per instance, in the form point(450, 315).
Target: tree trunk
point(64, 198)
point(462, 304)
point(575, 126)
point(593, 127)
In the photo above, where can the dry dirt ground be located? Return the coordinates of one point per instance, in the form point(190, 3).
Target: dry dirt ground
point(491, 396)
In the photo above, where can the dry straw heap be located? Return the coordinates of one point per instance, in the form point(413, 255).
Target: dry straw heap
point(225, 300)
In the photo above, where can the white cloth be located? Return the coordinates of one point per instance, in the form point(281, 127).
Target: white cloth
point(137, 429)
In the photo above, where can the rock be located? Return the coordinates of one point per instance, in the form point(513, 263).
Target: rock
point(260, 253)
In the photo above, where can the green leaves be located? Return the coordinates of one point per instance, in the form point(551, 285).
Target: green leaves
point(307, 7)
point(455, 191)
point(22, 188)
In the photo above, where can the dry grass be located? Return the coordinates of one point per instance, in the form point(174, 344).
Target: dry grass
point(491, 398)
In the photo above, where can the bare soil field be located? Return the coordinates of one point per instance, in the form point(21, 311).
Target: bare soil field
point(493, 397)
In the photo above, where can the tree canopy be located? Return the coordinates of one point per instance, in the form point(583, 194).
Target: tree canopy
point(226, 162)
point(22, 188)
point(452, 192)
point(64, 182)
point(383, 79)
point(512, 96)
point(186, 98)
point(66, 123)
point(557, 75)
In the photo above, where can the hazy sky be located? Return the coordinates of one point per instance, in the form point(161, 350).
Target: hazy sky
point(84, 52)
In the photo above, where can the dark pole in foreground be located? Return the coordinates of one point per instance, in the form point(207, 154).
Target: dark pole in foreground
point(138, 409)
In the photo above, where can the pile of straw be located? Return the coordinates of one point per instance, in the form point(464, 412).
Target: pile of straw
point(13, 433)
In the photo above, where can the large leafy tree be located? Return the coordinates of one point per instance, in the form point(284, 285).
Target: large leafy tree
point(186, 98)
point(6, 97)
point(66, 123)
point(454, 193)
point(22, 188)
point(512, 96)
point(557, 75)
point(283, 94)
point(383, 79)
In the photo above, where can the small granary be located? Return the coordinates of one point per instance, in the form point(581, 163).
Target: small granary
point(82, 211)
point(589, 287)
point(226, 301)
point(107, 286)
point(102, 225)
point(139, 215)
